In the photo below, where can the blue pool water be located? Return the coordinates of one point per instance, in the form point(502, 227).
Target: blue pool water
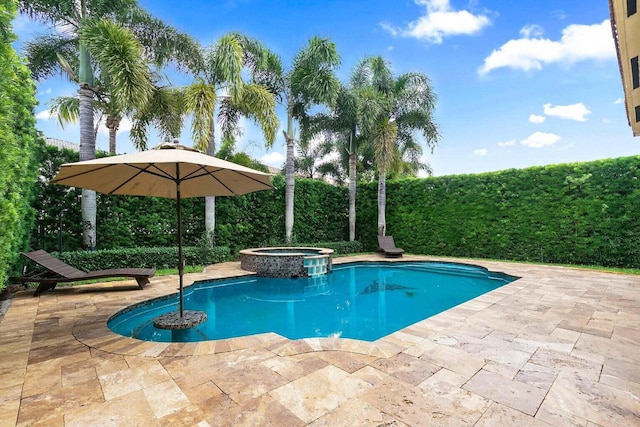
point(364, 301)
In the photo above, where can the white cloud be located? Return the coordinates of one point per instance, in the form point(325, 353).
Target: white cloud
point(536, 119)
point(578, 43)
point(275, 159)
point(606, 121)
point(540, 139)
point(507, 143)
point(440, 21)
point(618, 101)
point(575, 112)
point(44, 115)
point(529, 31)
point(480, 152)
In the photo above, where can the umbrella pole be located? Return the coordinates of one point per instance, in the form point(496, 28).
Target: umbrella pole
point(180, 260)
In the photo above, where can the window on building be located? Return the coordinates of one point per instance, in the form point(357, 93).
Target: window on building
point(632, 7)
point(635, 73)
point(637, 113)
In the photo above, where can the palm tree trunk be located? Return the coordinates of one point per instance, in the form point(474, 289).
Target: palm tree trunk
point(87, 152)
point(352, 189)
point(210, 201)
point(113, 123)
point(289, 179)
point(382, 202)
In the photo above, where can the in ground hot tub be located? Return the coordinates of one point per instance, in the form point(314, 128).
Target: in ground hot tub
point(287, 261)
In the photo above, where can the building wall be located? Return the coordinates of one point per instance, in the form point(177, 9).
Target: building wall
point(625, 17)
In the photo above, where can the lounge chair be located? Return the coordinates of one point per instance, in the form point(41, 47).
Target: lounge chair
point(387, 246)
point(57, 271)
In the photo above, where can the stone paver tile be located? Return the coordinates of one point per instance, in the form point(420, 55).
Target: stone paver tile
point(318, 393)
point(201, 392)
point(165, 398)
point(356, 413)
point(444, 376)
point(537, 375)
point(130, 410)
point(264, 411)
point(406, 368)
point(9, 403)
point(501, 352)
point(450, 406)
point(501, 416)
point(292, 368)
point(454, 359)
point(566, 334)
point(621, 369)
point(575, 398)
point(72, 374)
point(516, 395)
point(349, 362)
point(553, 360)
point(607, 347)
point(57, 401)
point(248, 381)
point(371, 375)
point(586, 328)
point(140, 373)
point(190, 415)
point(547, 342)
point(631, 334)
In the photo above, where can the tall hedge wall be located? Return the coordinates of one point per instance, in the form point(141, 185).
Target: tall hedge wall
point(583, 213)
point(20, 145)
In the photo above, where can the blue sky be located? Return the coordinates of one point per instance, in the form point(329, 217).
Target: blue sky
point(519, 83)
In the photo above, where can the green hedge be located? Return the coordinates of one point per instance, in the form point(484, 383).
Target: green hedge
point(582, 213)
point(159, 258)
point(20, 147)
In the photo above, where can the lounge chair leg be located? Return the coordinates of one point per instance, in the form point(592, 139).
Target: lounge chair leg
point(142, 281)
point(44, 286)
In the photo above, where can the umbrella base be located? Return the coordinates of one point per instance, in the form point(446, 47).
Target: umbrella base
point(172, 320)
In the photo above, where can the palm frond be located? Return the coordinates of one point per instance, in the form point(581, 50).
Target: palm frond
point(200, 99)
point(119, 55)
point(66, 109)
point(43, 51)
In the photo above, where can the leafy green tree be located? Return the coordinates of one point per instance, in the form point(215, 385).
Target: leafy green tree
point(20, 146)
point(113, 40)
point(310, 81)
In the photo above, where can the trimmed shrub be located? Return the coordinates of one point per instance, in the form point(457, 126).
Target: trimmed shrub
point(20, 146)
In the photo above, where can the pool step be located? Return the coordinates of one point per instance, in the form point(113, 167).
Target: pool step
point(316, 266)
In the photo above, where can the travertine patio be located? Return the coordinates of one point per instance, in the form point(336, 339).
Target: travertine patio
point(560, 346)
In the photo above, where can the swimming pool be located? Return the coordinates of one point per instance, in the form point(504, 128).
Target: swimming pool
point(364, 301)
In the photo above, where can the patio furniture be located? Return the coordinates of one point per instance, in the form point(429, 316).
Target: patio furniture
point(56, 271)
point(387, 246)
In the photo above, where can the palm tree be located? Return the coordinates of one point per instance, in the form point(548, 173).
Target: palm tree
point(310, 81)
point(339, 127)
point(393, 111)
point(67, 110)
point(219, 84)
point(84, 37)
point(164, 112)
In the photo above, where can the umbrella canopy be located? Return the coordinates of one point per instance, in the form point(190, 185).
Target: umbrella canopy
point(169, 170)
point(162, 172)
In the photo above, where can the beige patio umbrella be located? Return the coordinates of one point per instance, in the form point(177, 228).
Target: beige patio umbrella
point(168, 170)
